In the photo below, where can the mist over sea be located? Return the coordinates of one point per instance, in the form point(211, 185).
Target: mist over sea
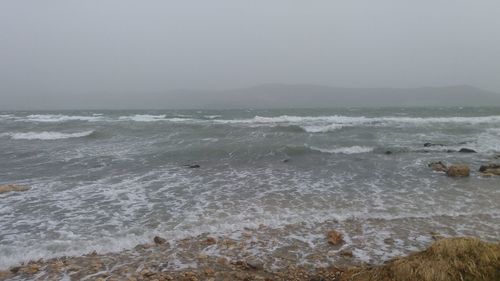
point(109, 180)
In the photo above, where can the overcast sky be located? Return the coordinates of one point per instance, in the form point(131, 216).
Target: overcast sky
point(65, 49)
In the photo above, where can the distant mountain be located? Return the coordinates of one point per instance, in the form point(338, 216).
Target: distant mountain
point(307, 96)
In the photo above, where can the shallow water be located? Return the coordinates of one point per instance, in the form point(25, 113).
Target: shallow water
point(109, 180)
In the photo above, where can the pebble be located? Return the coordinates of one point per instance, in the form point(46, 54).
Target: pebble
point(159, 241)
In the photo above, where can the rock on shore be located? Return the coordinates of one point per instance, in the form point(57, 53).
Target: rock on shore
point(458, 171)
point(438, 166)
point(13, 187)
point(335, 238)
point(490, 170)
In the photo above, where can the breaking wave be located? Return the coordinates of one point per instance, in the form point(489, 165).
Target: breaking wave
point(59, 118)
point(311, 124)
point(343, 150)
point(46, 135)
point(350, 120)
point(299, 150)
point(144, 118)
point(152, 118)
point(322, 128)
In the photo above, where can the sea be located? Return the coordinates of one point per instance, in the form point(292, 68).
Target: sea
point(107, 181)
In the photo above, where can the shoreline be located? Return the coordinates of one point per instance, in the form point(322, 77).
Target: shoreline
point(153, 261)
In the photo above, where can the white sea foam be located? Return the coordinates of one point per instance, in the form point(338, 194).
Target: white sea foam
point(362, 120)
point(488, 141)
point(144, 118)
point(58, 118)
point(383, 200)
point(130, 197)
point(176, 119)
point(312, 123)
point(45, 135)
point(152, 118)
point(211, 116)
point(322, 128)
point(344, 150)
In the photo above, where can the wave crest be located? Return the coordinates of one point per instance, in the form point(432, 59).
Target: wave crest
point(322, 128)
point(344, 150)
point(46, 135)
point(305, 149)
point(59, 118)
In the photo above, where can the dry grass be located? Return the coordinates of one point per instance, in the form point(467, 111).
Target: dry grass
point(452, 259)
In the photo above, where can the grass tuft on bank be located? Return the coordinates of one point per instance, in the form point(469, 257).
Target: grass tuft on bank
point(451, 259)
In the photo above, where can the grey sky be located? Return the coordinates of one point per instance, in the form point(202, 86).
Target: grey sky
point(85, 49)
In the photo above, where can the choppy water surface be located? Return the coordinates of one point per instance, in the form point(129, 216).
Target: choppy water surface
point(109, 180)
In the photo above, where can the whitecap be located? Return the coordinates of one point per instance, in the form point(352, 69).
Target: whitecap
point(362, 120)
point(344, 150)
point(58, 118)
point(211, 116)
point(143, 118)
point(321, 128)
point(152, 118)
point(46, 135)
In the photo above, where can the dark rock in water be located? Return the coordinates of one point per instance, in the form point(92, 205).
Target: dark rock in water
point(389, 241)
point(458, 171)
point(388, 152)
point(210, 241)
point(159, 241)
point(254, 263)
point(467, 150)
point(335, 238)
point(490, 170)
point(142, 247)
point(346, 253)
point(438, 166)
point(428, 144)
point(286, 160)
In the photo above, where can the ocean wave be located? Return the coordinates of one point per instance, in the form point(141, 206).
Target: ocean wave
point(306, 149)
point(322, 128)
point(58, 118)
point(46, 135)
point(343, 150)
point(311, 124)
point(289, 128)
point(152, 118)
point(143, 118)
point(337, 120)
point(488, 141)
point(211, 116)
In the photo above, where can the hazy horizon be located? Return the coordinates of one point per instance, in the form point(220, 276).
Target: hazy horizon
point(81, 54)
point(283, 96)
